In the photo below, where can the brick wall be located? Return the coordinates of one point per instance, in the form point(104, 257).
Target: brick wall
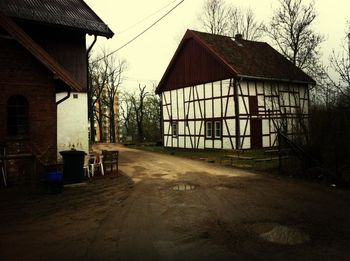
point(21, 73)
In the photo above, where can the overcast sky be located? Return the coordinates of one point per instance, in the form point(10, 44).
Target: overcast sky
point(149, 55)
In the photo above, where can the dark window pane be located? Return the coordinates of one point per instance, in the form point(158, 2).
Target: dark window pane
point(17, 116)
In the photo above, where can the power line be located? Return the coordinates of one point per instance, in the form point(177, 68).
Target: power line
point(144, 31)
point(135, 79)
point(144, 19)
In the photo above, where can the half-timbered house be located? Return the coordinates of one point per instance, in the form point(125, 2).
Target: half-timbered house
point(43, 75)
point(230, 93)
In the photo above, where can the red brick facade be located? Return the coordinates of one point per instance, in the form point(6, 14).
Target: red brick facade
point(22, 74)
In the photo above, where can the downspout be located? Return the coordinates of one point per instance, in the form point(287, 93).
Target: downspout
point(238, 125)
point(92, 127)
point(65, 97)
point(87, 63)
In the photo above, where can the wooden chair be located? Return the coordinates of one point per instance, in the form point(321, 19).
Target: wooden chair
point(110, 159)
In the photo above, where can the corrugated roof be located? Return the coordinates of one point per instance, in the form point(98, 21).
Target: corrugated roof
point(254, 59)
point(243, 58)
point(75, 14)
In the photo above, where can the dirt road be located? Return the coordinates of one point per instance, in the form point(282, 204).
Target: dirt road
point(167, 208)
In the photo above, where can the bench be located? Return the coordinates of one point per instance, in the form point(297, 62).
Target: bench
point(110, 159)
point(234, 155)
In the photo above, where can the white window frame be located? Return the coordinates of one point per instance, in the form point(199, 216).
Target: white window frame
point(174, 129)
point(217, 129)
point(209, 126)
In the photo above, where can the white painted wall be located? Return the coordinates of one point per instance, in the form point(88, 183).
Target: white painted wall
point(72, 123)
point(179, 103)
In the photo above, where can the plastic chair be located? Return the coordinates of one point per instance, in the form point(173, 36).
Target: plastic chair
point(98, 163)
point(89, 166)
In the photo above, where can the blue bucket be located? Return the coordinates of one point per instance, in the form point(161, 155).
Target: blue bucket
point(54, 176)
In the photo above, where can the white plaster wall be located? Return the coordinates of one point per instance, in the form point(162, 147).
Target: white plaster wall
point(209, 108)
point(200, 91)
point(217, 144)
point(188, 142)
point(181, 142)
point(208, 143)
point(217, 108)
point(265, 127)
point(217, 89)
point(165, 113)
point(212, 92)
point(181, 104)
point(72, 123)
point(244, 88)
point(201, 143)
point(208, 90)
point(226, 143)
point(252, 90)
point(246, 143)
point(173, 105)
point(266, 141)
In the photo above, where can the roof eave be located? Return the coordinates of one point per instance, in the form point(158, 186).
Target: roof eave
point(188, 35)
point(108, 33)
point(248, 77)
point(39, 53)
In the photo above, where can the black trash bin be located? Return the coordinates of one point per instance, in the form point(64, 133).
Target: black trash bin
point(73, 166)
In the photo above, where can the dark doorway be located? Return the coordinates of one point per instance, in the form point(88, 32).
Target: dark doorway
point(256, 133)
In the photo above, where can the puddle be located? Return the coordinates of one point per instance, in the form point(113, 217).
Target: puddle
point(183, 187)
point(229, 186)
point(285, 235)
point(221, 188)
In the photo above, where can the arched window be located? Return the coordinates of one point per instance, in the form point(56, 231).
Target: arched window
point(17, 116)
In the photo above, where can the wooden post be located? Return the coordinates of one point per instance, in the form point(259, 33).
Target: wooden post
point(236, 100)
point(279, 153)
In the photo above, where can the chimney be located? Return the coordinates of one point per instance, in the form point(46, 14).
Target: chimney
point(238, 37)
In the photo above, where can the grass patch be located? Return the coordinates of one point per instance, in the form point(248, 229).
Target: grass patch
point(218, 156)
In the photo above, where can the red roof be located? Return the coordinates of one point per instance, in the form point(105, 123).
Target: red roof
point(243, 58)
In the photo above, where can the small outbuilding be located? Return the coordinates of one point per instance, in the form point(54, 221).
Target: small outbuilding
point(231, 93)
point(43, 83)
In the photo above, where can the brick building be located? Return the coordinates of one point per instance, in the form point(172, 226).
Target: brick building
point(43, 83)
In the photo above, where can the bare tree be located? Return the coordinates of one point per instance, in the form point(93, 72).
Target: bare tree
point(340, 63)
point(127, 114)
point(219, 18)
point(106, 78)
point(215, 17)
point(140, 115)
point(244, 22)
point(139, 109)
point(98, 79)
point(290, 29)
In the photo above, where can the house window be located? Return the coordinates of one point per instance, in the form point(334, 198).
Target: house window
point(209, 129)
point(174, 129)
point(17, 116)
point(213, 129)
point(217, 130)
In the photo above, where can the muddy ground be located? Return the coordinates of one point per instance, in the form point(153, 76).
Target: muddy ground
point(162, 207)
